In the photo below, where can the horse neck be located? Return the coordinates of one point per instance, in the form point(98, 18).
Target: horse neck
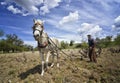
point(42, 37)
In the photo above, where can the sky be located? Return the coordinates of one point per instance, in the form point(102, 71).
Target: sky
point(63, 19)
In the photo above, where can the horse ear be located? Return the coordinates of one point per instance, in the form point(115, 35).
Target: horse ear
point(34, 20)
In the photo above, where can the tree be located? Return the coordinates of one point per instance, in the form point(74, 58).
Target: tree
point(71, 43)
point(64, 45)
point(13, 44)
point(84, 44)
point(104, 42)
point(107, 41)
point(117, 40)
point(28, 47)
point(1, 32)
point(13, 39)
point(4, 46)
point(78, 45)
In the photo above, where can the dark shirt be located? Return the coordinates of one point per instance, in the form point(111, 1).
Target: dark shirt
point(91, 42)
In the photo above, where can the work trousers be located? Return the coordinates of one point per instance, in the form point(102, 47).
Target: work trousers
point(92, 54)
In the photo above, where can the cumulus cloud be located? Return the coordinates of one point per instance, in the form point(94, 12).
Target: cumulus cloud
point(3, 3)
point(13, 9)
point(29, 6)
point(49, 4)
point(70, 18)
point(117, 22)
point(116, 25)
point(16, 10)
point(86, 28)
point(32, 7)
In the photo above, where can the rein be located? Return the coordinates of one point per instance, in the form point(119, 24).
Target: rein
point(61, 51)
point(49, 39)
point(58, 47)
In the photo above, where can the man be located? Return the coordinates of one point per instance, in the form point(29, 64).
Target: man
point(91, 44)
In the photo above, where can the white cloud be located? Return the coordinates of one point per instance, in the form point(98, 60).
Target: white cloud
point(49, 4)
point(13, 9)
point(16, 10)
point(117, 19)
point(116, 25)
point(44, 10)
point(70, 18)
point(86, 28)
point(3, 3)
point(32, 7)
point(29, 6)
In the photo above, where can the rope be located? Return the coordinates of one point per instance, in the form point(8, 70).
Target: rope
point(63, 53)
point(58, 47)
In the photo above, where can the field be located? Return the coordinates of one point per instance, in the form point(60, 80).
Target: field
point(25, 67)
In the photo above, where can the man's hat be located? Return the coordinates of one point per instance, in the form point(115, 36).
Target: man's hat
point(88, 35)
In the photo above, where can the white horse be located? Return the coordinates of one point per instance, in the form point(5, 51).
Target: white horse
point(45, 44)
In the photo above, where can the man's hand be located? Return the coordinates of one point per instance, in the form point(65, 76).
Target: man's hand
point(90, 47)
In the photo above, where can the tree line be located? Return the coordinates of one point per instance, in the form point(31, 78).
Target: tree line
point(106, 42)
point(12, 43)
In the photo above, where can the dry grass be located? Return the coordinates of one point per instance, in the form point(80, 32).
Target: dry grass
point(26, 68)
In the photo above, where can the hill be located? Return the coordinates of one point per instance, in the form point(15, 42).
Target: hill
point(26, 68)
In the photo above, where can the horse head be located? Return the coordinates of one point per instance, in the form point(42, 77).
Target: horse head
point(37, 29)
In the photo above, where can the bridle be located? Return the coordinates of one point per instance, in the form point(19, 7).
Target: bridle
point(36, 29)
point(38, 37)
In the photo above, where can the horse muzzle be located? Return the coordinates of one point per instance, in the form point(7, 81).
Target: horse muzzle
point(36, 37)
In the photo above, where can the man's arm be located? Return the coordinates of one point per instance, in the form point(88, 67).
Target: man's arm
point(94, 43)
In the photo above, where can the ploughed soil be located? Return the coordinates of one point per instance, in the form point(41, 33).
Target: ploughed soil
point(25, 67)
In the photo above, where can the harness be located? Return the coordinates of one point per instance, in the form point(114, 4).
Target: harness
point(49, 39)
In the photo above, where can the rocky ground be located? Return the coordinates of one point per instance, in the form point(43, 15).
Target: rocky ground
point(26, 68)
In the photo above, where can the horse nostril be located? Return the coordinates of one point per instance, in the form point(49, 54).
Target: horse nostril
point(36, 35)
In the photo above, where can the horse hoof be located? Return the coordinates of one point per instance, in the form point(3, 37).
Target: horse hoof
point(52, 65)
point(42, 73)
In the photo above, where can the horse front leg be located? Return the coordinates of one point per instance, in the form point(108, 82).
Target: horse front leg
point(47, 59)
point(42, 59)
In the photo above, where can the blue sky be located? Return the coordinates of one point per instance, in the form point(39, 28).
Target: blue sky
point(63, 19)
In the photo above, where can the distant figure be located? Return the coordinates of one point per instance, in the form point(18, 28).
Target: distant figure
point(91, 44)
